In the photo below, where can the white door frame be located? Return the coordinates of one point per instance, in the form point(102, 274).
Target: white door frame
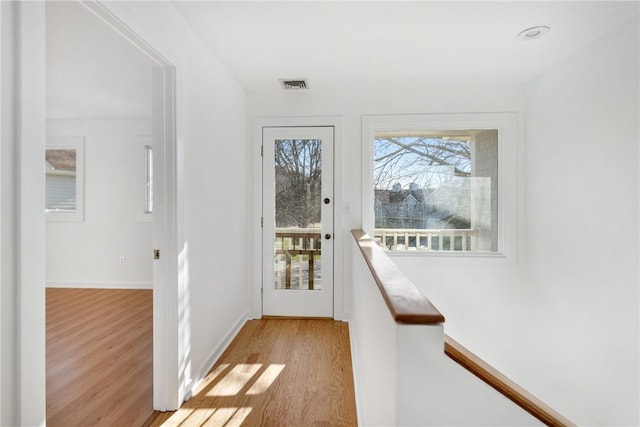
point(339, 206)
point(28, 128)
point(30, 222)
point(165, 269)
point(292, 302)
point(28, 143)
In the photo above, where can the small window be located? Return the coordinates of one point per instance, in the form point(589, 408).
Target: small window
point(64, 178)
point(436, 183)
point(148, 179)
point(144, 171)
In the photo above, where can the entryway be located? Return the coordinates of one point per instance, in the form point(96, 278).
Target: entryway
point(297, 221)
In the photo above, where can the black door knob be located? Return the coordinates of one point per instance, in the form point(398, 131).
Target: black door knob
point(327, 236)
point(327, 200)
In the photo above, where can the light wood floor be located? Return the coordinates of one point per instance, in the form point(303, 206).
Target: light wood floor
point(99, 357)
point(280, 373)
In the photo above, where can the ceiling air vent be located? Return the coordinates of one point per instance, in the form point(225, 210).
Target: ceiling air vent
point(294, 84)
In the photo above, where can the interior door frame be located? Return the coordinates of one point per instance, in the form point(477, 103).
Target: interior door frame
point(340, 208)
point(166, 387)
point(27, 220)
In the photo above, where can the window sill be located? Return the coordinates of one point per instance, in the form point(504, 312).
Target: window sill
point(64, 216)
point(452, 258)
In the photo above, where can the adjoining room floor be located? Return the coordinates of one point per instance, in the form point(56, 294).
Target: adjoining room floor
point(99, 357)
point(276, 372)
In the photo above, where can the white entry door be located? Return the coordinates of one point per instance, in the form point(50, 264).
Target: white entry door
point(297, 232)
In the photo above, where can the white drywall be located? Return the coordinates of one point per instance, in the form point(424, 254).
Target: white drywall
point(92, 71)
point(88, 253)
point(351, 103)
point(582, 230)
point(563, 321)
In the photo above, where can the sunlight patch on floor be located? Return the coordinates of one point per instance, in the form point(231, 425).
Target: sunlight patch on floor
point(227, 417)
point(266, 379)
point(211, 376)
point(231, 384)
point(235, 380)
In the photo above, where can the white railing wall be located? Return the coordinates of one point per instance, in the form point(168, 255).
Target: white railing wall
point(402, 375)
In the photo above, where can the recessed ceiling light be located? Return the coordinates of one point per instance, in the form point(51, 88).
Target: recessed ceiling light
point(533, 32)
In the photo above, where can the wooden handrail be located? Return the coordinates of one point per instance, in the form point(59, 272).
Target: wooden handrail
point(408, 305)
point(504, 385)
point(405, 302)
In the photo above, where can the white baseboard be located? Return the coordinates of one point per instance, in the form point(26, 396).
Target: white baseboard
point(357, 384)
point(100, 285)
point(201, 373)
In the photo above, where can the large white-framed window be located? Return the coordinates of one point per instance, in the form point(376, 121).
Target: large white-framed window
point(64, 178)
point(441, 184)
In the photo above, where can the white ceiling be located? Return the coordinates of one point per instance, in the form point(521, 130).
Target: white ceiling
point(92, 72)
point(341, 44)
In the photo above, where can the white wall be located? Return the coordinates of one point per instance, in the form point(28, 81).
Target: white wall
point(87, 253)
point(563, 322)
point(582, 125)
point(351, 102)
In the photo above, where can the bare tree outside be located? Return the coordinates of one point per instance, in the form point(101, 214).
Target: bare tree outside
point(428, 182)
point(298, 182)
point(419, 182)
point(418, 160)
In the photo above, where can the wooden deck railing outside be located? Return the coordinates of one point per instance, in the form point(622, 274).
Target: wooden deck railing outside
point(408, 305)
point(302, 245)
point(401, 239)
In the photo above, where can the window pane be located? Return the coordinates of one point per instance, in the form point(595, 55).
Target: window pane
point(60, 177)
point(148, 178)
point(436, 190)
point(298, 181)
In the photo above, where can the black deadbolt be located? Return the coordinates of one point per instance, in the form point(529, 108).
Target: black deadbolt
point(327, 201)
point(327, 236)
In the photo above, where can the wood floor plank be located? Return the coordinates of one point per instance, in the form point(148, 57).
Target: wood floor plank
point(99, 357)
point(279, 373)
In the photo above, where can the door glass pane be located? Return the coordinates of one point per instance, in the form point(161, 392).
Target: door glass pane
point(297, 252)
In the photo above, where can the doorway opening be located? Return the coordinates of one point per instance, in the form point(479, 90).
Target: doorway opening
point(297, 217)
point(109, 89)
